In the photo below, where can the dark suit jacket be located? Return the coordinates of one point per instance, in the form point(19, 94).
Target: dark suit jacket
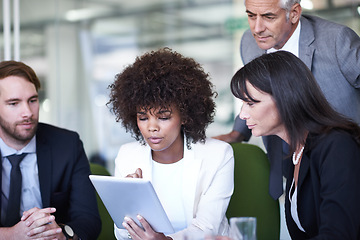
point(328, 189)
point(64, 183)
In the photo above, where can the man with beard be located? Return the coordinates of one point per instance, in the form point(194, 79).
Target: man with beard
point(55, 199)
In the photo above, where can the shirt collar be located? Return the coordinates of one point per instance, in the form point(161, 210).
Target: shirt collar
point(292, 45)
point(7, 151)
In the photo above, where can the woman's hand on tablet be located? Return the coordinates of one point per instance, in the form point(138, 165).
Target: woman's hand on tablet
point(136, 174)
point(145, 233)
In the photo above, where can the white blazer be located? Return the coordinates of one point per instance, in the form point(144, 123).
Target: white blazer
point(208, 186)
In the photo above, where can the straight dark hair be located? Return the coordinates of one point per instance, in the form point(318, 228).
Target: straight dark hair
point(301, 104)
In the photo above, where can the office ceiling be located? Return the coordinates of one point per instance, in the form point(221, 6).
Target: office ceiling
point(37, 12)
point(152, 22)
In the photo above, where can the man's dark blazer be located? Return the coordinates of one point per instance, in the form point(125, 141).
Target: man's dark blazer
point(64, 180)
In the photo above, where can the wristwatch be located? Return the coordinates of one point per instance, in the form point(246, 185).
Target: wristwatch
point(67, 231)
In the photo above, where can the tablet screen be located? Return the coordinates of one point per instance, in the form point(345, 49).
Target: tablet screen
point(130, 197)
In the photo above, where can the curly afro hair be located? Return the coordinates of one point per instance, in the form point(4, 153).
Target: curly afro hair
point(159, 79)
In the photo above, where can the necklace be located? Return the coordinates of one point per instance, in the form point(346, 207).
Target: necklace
point(296, 158)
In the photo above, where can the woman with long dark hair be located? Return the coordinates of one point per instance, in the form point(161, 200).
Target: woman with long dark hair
point(281, 97)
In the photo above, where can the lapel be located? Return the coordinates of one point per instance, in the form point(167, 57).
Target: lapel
point(304, 169)
point(43, 153)
point(307, 37)
point(305, 161)
point(191, 172)
point(289, 174)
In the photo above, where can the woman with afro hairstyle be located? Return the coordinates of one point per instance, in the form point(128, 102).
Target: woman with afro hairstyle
point(166, 101)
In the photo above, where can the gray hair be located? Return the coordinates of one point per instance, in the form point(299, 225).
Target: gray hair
point(287, 5)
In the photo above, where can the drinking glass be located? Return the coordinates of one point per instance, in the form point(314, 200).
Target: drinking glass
point(243, 228)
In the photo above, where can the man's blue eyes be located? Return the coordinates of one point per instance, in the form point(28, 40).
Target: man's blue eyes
point(17, 102)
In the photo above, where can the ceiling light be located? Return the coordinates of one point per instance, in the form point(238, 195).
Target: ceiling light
point(86, 13)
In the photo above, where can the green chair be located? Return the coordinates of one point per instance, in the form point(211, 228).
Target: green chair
point(251, 192)
point(107, 229)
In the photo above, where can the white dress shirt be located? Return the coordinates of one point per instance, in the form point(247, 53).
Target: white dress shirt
point(30, 195)
point(292, 45)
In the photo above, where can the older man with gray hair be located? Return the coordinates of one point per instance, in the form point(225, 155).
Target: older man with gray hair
point(330, 50)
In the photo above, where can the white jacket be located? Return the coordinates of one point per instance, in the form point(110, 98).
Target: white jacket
point(208, 186)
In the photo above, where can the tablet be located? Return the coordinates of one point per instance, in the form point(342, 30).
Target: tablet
point(130, 197)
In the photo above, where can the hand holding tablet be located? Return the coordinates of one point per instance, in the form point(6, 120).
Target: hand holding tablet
point(131, 197)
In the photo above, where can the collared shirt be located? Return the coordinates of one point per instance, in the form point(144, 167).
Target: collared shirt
point(292, 45)
point(30, 195)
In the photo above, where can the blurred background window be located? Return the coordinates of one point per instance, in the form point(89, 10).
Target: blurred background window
point(78, 46)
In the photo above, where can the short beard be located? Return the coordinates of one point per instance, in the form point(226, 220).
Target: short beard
point(9, 130)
